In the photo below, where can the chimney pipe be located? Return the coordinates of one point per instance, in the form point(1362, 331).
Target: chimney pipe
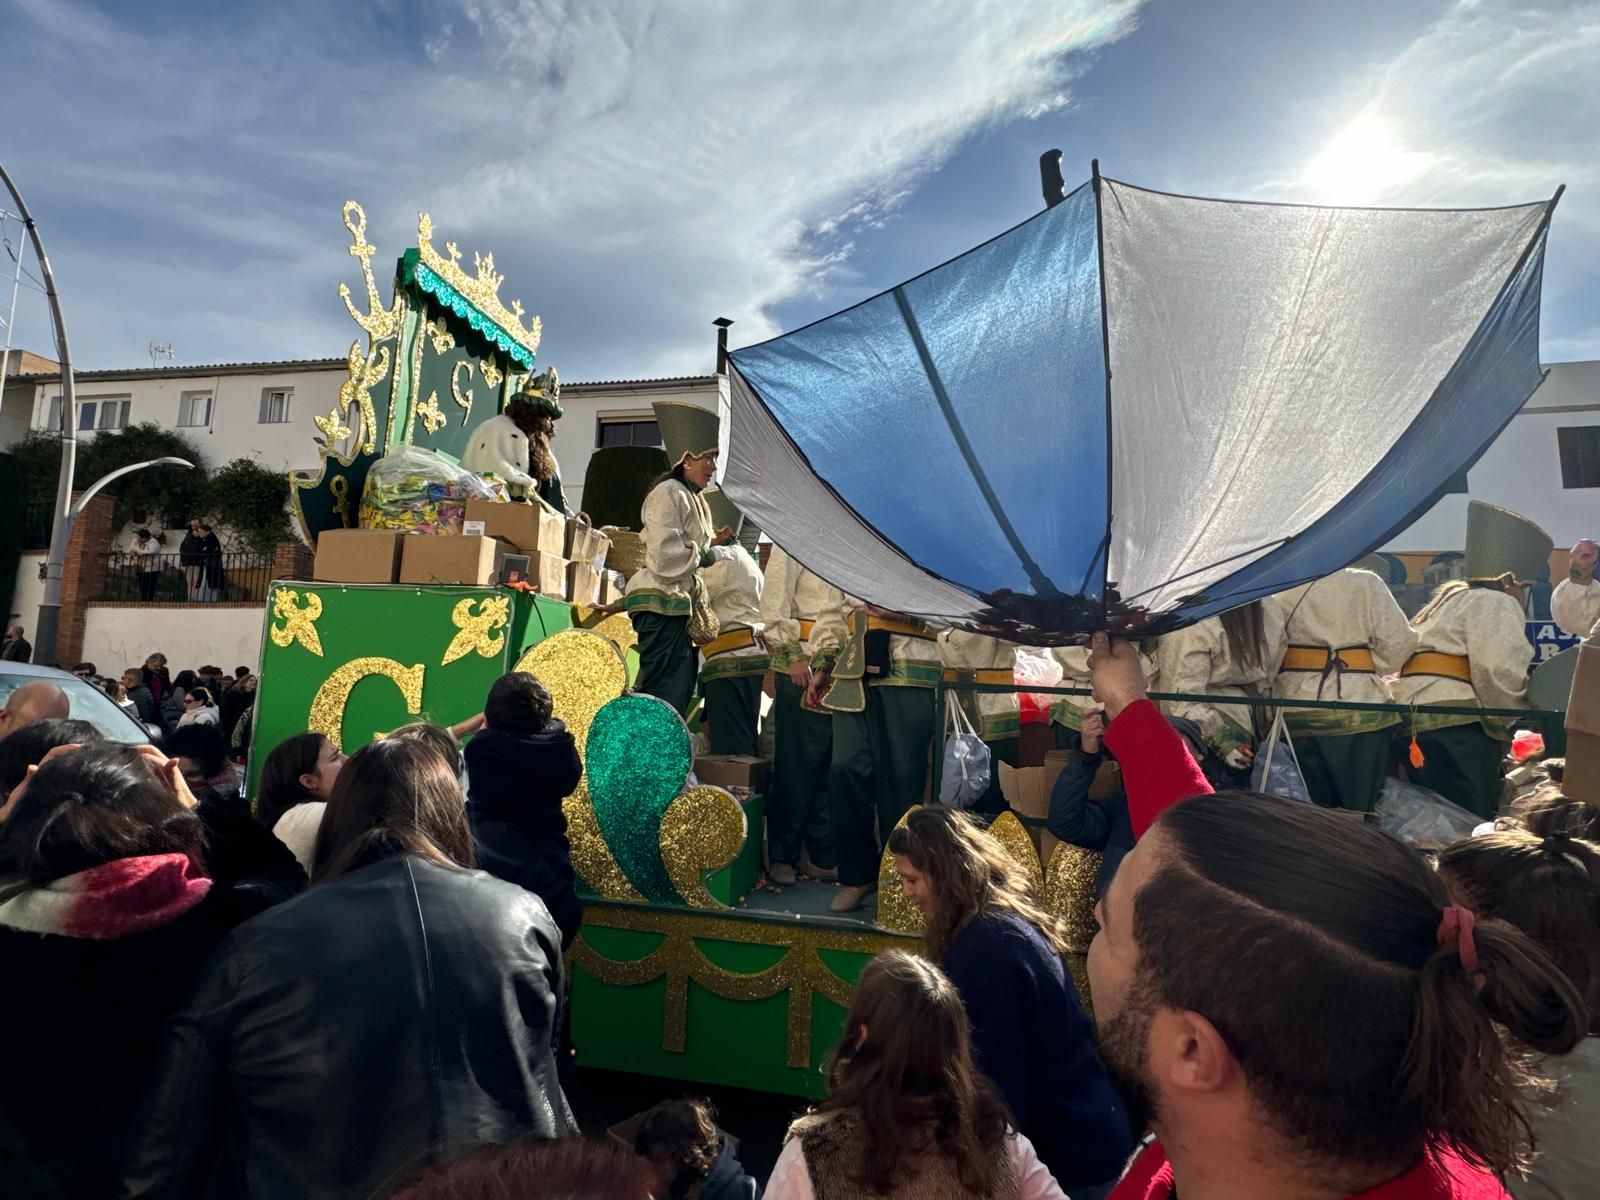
point(722, 324)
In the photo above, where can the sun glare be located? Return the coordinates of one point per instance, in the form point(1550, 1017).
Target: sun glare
point(1362, 164)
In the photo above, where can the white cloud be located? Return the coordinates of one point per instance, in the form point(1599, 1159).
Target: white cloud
point(638, 168)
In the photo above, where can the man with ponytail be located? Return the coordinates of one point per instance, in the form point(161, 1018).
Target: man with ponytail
point(1294, 1003)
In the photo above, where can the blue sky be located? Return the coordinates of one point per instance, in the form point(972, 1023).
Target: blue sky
point(639, 168)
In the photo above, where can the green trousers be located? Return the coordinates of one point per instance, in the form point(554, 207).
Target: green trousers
point(879, 770)
point(733, 706)
point(1463, 764)
point(1347, 771)
point(797, 797)
point(668, 663)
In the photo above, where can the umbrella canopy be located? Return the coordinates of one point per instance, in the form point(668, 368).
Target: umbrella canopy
point(1135, 409)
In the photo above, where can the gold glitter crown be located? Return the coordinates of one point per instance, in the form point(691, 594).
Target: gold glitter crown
point(481, 288)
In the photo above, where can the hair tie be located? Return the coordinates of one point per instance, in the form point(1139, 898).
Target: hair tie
point(1456, 925)
point(1558, 841)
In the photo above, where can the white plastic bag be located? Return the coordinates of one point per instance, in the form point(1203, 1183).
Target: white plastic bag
point(1041, 669)
point(1276, 770)
point(1422, 818)
point(964, 777)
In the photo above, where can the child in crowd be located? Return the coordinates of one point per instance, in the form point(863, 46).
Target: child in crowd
point(520, 768)
point(693, 1159)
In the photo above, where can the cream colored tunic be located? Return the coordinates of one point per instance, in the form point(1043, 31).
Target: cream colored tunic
point(995, 714)
point(1575, 606)
point(1350, 608)
point(791, 594)
point(1068, 710)
point(914, 662)
point(1197, 660)
point(677, 538)
point(1487, 628)
point(734, 583)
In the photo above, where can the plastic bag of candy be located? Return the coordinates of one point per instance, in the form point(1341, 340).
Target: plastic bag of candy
point(421, 491)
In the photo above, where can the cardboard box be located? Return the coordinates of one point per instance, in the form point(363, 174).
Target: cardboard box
point(612, 587)
point(586, 544)
point(533, 528)
point(1581, 779)
point(732, 770)
point(358, 556)
point(583, 584)
point(452, 559)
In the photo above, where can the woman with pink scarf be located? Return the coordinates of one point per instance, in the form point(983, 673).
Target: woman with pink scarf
point(106, 914)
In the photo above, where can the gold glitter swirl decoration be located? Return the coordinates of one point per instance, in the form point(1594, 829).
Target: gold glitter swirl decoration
point(378, 321)
point(440, 336)
point(477, 631)
point(299, 620)
point(367, 371)
point(1069, 892)
point(619, 630)
point(895, 912)
point(491, 373)
point(327, 706)
point(482, 288)
point(703, 830)
point(1008, 831)
point(339, 489)
point(429, 413)
point(802, 973)
point(464, 399)
point(583, 672)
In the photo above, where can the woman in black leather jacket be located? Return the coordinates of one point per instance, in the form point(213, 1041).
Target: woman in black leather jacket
point(400, 1012)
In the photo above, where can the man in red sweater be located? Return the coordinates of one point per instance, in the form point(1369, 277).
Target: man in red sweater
point(1291, 1000)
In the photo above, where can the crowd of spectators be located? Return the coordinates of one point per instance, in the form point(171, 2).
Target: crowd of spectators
point(353, 986)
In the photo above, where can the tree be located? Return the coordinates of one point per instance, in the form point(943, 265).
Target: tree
point(252, 501)
point(160, 494)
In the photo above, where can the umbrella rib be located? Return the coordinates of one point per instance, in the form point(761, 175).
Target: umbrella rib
point(1041, 582)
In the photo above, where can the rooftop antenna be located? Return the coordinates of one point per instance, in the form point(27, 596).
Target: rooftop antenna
point(159, 350)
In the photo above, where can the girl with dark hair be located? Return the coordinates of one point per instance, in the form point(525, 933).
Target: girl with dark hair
point(1548, 886)
point(1235, 654)
point(296, 782)
point(172, 701)
point(907, 1114)
point(199, 708)
point(1296, 1001)
point(406, 1005)
point(107, 912)
point(1004, 954)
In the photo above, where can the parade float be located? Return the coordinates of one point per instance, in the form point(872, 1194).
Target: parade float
point(682, 967)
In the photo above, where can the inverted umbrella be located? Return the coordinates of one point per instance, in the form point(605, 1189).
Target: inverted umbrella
point(1138, 409)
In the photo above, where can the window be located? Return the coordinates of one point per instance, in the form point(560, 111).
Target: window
point(1580, 456)
point(102, 412)
point(627, 432)
point(53, 420)
point(194, 409)
point(275, 405)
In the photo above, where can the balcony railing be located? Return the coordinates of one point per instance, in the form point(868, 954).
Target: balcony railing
point(234, 576)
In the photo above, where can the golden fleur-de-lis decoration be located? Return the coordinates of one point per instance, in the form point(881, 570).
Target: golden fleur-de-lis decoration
point(491, 374)
point(299, 620)
point(332, 427)
point(477, 629)
point(454, 253)
point(441, 337)
point(367, 371)
point(432, 417)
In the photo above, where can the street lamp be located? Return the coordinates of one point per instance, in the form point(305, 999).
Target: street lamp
point(49, 625)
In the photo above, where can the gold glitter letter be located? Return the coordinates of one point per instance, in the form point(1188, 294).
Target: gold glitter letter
point(327, 707)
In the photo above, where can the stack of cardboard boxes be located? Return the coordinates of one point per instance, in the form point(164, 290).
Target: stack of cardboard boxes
point(566, 559)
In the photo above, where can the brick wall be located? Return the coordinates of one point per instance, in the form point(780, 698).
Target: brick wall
point(292, 560)
point(83, 574)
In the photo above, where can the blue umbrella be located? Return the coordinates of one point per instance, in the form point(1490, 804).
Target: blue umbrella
point(1138, 409)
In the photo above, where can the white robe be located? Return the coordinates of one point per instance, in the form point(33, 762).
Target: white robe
point(677, 538)
point(1197, 660)
point(734, 583)
point(1575, 606)
point(995, 714)
point(1486, 627)
point(791, 594)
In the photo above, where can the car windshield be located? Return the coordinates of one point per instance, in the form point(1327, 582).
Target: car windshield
point(89, 704)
